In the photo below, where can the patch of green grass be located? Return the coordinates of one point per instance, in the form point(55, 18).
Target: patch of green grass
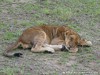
point(39, 22)
point(2, 26)
point(79, 7)
point(85, 50)
point(64, 57)
point(97, 12)
point(9, 71)
point(86, 57)
point(46, 11)
point(54, 73)
point(25, 23)
point(11, 35)
point(10, 10)
point(88, 49)
point(74, 66)
point(9, 0)
point(28, 7)
point(47, 2)
point(13, 71)
point(63, 13)
point(91, 7)
point(6, 1)
point(98, 61)
point(0, 10)
point(91, 57)
point(75, 27)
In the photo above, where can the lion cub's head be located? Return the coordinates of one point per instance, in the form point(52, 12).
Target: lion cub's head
point(70, 37)
point(71, 41)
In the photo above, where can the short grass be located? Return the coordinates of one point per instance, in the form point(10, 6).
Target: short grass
point(81, 15)
point(12, 71)
point(8, 71)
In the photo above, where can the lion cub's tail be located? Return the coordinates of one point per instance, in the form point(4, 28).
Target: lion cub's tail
point(12, 47)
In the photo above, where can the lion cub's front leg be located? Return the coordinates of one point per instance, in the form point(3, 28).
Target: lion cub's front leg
point(58, 44)
point(43, 49)
point(84, 42)
point(55, 47)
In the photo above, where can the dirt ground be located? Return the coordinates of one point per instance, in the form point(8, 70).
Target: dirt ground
point(83, 16)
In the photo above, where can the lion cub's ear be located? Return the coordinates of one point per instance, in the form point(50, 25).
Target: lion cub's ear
point(72, 37)
point(67, 32)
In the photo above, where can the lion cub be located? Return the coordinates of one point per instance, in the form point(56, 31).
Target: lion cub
point(48, 38)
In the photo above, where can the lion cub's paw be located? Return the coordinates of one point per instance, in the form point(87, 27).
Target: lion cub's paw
point(89, 43)
point(50, 50)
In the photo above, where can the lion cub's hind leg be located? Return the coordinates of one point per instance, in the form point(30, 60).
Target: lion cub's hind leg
point(40, 48)
point(39, 41)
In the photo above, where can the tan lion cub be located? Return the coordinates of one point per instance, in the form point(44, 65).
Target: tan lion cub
point(48, 38)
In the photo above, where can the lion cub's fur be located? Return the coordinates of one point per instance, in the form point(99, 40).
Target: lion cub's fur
point(49, 38)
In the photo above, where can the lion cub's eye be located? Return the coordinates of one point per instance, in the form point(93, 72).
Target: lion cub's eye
point(71, 38)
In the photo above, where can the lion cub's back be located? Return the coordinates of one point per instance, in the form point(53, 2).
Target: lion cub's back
point(29, 34)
